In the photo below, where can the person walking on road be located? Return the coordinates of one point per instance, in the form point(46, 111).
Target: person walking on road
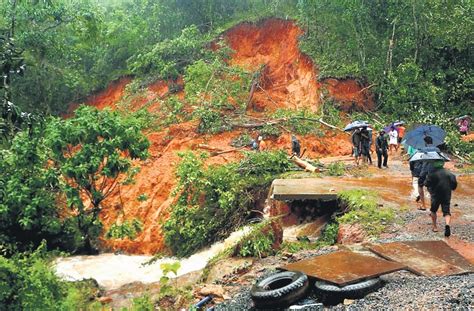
point(356, 143)
point(440, 183)
point(381, 147)
point(393, 139)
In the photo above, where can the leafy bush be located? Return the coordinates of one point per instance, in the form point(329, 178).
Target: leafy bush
point(27, 283)
point(270, 131)
point(213, 87)
point(168, 58)
point(299, 121)
point(242, 140)
point(336, 168)
point(214, 201)
point(329, 234)
point(128, 229)
point(362, 208)
point(260, 241)
point(142, 197)
point(28, 189)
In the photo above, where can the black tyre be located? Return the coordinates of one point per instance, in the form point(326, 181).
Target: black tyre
point(279, 290)
point(351, 291)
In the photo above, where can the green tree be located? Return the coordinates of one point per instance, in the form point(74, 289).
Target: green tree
point(28, 193)
point(93, 152)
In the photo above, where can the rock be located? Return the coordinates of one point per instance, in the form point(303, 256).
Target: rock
point(226, 267)
point(349, 234)
point(348, 302)
point(214, 290)
point(104, 300)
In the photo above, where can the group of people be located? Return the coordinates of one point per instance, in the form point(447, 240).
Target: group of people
point(259, 144)
point(427, 174)
point(362, 143)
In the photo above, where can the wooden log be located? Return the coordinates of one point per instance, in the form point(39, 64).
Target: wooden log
point(210, 148)
point(216, 153)
point(307, 166)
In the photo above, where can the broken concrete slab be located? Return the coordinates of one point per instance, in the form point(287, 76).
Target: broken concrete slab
point(344, 267)
point(427, 258)
point(301, 189)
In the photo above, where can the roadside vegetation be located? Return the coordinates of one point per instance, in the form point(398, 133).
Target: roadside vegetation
point(214, 201)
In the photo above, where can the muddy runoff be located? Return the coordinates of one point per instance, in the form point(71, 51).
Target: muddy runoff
point(112, 271)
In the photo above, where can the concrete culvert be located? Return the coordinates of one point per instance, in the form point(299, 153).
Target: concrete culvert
point(279, 290)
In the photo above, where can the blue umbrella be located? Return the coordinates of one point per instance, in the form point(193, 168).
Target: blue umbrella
point(416, 137)
point(388, 128)
point(354, 125)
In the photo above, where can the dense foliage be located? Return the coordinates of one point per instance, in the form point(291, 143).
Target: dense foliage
point(85, 156)
point(28, 283)
point(28, 194)
point(215, 200)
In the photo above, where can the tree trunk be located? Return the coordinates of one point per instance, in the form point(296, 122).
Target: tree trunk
point(307, 166)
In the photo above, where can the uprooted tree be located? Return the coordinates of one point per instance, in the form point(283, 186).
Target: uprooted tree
point(94, 151)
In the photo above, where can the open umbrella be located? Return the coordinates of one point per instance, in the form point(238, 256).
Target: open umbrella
point(431, 155)
point(416, 137)
point(354, 125)
point(388, 128)
point(463, 117)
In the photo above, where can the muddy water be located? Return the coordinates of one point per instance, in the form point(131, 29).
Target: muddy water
point(112, 271)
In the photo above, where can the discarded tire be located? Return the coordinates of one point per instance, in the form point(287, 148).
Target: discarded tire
point(279, 290)
point(330, 293)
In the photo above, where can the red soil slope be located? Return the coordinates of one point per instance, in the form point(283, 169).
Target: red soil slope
point(289, 81)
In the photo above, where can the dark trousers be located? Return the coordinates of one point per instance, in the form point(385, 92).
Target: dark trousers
point(379, 158)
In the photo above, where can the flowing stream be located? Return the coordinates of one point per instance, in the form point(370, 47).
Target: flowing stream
point(112, 271)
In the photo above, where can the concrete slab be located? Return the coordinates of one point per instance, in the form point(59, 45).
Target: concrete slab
point(427, 258)
point(344, 267)
point(302, 189)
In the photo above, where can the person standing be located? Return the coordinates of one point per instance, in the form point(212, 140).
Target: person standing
point(381, 147)
point(440, 183)
point(371, 140)
point(262, 145)
point(393, 139)
point(356, 138)
point(464, 126)
point(295, 146)
point(365, 144)
point(415, 169)
point(401, 133)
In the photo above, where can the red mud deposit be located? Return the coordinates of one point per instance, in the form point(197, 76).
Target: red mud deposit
point(289, 80)
point(350, 94)
point(289, 77)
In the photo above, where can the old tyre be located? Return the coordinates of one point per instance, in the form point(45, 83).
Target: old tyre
point(351, 291)
point(279, 290)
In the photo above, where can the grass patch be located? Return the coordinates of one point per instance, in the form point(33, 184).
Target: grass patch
point(362, 208)
point(261, 241)
point(336, 169)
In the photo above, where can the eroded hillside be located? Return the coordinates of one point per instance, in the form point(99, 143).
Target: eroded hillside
point(288, 79)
